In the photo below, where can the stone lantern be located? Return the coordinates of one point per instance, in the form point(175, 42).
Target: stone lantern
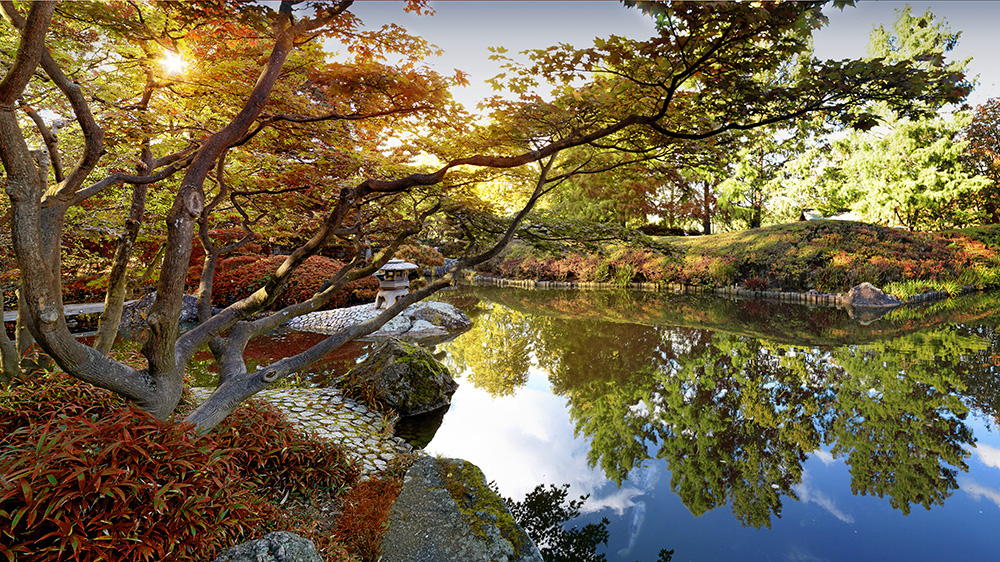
point(393, 282)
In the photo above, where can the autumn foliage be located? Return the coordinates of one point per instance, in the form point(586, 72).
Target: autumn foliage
point(366, 516)
point(238, 276)
point(830, 256)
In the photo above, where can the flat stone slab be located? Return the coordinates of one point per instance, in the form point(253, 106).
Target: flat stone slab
point(68, 310)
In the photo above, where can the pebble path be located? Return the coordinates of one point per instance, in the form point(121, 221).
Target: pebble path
point(365, 435)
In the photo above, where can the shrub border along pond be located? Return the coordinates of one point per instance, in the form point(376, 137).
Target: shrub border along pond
point(811, 298)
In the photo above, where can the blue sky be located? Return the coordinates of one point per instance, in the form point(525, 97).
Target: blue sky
point(466, 30)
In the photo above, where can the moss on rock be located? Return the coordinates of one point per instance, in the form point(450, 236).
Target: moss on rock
point(446, 511)
point(403, 376)
point(484, 510)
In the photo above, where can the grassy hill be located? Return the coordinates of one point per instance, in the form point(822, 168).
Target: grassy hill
point(829, 256)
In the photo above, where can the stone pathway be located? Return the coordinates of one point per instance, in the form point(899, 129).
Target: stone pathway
point(365, 435)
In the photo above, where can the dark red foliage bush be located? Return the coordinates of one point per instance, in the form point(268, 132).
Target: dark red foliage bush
point(238, 276)
point(365, 515)
point(90, 288)
point(87, 288)
point(82, 477)
point(124, 487)
point(46, 396)
point(278, 459)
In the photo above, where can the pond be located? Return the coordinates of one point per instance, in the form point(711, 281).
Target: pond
point(738, 430)
point(727, 430)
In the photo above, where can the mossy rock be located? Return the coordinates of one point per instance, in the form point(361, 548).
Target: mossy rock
point(278, 546)
point(446, 511)
point(405, 377)
point(484, 510)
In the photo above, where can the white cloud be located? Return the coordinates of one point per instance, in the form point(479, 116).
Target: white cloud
point(618, 501)
point(527, 439)
point(807, 494)
point(990, 456)
point(798, 554)
point(824, 456)
point(520, 441)
point(978, 491)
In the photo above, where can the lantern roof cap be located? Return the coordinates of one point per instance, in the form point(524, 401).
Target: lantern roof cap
point(396, 264)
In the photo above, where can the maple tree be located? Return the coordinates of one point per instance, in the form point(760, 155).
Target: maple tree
point(267, 128)
point(983, 156)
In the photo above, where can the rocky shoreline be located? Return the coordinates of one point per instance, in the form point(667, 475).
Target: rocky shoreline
point(427, 521)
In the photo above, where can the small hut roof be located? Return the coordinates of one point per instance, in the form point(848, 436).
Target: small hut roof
point(397, 265)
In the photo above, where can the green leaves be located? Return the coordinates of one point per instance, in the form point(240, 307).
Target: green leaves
point(908, 173)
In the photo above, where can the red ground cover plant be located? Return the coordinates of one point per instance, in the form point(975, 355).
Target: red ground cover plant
point(276, 458)
point(125, 487)
point(84, 477)
point(623, 266)
point(365, 516)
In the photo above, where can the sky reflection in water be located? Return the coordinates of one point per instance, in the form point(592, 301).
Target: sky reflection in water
point(524, 436)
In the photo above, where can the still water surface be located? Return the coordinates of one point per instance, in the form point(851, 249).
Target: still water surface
point(729, 430)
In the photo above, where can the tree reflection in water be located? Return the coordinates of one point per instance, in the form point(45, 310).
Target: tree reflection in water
point(735, 416)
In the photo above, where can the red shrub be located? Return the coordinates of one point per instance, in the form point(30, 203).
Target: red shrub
point(45, 396)
point(273, 455)
point(126, 487)
point(365, 514)
point(85, 289)
point(83, 478)
point(237, 277)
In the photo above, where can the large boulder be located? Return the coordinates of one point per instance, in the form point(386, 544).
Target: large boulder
point(442, 315)
point(866, 294)
point(427, 323)
point(405, 376)
point(134, 312)
point(279, 546)
point(867, 303)
point(447, 512)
